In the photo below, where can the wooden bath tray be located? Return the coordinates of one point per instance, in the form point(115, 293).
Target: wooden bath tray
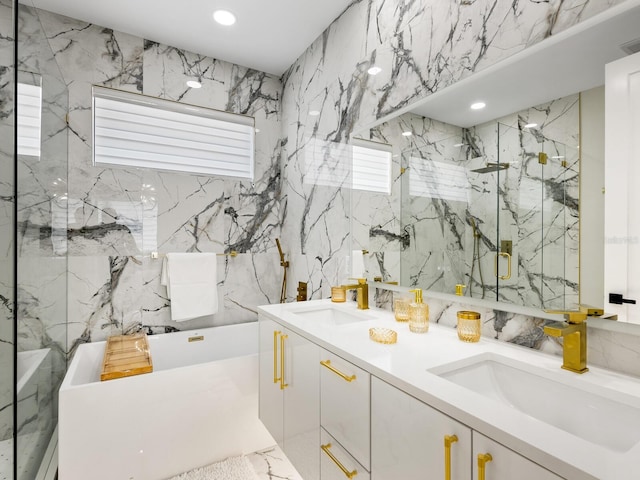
point(126, 355)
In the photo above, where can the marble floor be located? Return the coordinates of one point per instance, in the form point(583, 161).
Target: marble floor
point(269, 464)
point(272, 464)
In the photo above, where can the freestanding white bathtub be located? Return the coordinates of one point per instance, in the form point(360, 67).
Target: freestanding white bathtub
point(199, 405)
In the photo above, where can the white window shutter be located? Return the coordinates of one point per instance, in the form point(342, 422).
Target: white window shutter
point(133, 130)
point(29, 119)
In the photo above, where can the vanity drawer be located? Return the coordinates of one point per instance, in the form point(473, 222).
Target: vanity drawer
point(345, 405)
point(334, 458)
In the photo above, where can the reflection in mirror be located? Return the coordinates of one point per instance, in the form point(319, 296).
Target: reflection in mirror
point(493, 207)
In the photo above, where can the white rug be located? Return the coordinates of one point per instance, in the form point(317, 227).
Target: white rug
point(234, 468)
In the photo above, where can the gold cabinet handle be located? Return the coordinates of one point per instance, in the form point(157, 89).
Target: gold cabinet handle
point(347, 473)
point(327, 363)
point(483, 459)
point(508, 275)
point(282, 384)
point(448, 441)
point(276, 379)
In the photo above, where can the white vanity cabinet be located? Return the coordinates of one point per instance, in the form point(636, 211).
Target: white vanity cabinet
point(504, 464)
point(289, 395)
point(345, 405)
point(334, 416)
point(412, 441)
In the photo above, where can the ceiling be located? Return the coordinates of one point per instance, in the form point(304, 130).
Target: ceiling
point(268, 36)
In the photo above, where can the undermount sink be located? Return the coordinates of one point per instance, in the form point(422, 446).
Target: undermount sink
point(331, 315)
point(592, 413)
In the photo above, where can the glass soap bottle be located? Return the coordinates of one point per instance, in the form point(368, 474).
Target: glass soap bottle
point(418, 314)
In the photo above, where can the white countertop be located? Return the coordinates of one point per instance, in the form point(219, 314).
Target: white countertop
point(406, 363)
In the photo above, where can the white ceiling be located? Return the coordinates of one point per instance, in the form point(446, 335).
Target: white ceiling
point(268, 36)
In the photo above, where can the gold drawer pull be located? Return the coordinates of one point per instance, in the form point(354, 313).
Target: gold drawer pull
point(348, 474)
point(483, 459)
point(448, 441)
point(276, 379)
point(282, 384)
point(327, 363)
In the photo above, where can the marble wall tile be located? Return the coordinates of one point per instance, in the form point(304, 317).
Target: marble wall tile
point(6, 33)
point(435, 230)
point(7, 230)
point(422, 47)
point(117, 216)
point(425, 46)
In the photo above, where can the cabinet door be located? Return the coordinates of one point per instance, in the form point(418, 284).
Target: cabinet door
point(345, 405)
point(270, 394)
point(408, 439)
point(302, 405)
point(505, 464)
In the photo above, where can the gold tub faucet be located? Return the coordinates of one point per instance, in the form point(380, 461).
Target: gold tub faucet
point(362, 291)
point(574, 334)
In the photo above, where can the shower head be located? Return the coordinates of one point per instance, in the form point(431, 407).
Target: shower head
point(492, 167)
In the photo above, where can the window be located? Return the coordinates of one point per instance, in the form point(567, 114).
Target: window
point(134, 130)
point(438, 180)
point(29, 119)
point(361, 165)
point(371, 166)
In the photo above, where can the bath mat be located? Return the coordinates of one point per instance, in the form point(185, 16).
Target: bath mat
point(234, 468)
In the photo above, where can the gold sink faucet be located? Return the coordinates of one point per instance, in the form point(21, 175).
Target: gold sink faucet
point(574, 334)
point(362, 292)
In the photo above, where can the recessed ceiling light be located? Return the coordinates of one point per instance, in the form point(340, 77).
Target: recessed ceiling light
point(374, 70)
point(194, 84)
point(530, 125)
point(314, 113)
point(458, 144)
point(558, 156)
point(407, 134)
point(224, 17)
point(478, 105)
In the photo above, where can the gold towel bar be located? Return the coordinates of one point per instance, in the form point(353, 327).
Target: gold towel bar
point(232, 253)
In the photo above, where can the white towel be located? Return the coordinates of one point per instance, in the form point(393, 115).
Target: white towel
point(357, 264)
point(191, 280)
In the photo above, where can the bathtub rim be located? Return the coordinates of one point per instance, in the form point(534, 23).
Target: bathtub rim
point(183, 335)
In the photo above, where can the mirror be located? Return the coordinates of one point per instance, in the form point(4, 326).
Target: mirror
point(484, 171)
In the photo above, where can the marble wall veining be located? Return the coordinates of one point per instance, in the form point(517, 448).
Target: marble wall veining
point(117, 217)
point(7, 243)
point(7, 231)
point(437, 200)
point(421, 47)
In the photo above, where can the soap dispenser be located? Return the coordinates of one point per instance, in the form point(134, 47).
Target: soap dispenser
point(418, 314)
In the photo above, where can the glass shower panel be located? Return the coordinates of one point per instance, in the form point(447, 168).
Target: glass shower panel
point(484, 177)
point(538, 220)
point(7, 245)
point(435, 199)
point(560, 227)
point(41, 242)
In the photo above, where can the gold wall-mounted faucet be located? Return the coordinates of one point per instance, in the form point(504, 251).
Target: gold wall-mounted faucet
point(362, 292)
point(574, 334)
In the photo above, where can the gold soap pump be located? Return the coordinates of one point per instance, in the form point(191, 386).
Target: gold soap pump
point(418, 314)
